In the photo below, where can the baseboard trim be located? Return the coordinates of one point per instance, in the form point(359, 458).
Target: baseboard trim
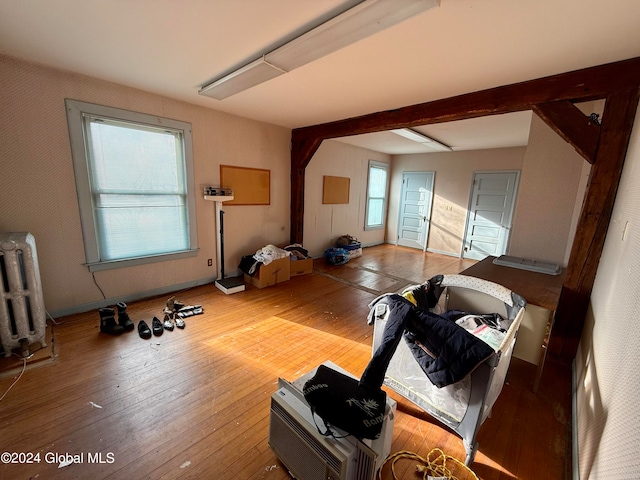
point(130, 297)
point(443, 252)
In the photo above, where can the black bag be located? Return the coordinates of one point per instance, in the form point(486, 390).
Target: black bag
point(344, 402)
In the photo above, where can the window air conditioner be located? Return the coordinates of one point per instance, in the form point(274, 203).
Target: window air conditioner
point(307, 454)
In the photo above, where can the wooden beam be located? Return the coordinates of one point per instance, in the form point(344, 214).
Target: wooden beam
point(302, 150)
point(297, 205)
point(572, 125)
point(580, 85)
point(618, 117)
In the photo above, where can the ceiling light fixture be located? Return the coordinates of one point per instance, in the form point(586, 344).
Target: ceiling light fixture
point(423, 139)
point(364, 19)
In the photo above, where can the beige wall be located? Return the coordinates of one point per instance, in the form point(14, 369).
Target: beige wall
point(452, 187)
point(549, 198)
point(607, 366)
point(323, 224)
point(552, 184)
point(38, 194)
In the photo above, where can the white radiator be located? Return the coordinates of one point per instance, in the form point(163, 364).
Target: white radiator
point(22, 313)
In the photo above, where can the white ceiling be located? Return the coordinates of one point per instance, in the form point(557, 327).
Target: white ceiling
point(172, 47)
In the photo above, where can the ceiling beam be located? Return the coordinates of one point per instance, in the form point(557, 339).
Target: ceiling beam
point(572, 125)
point(592, 83)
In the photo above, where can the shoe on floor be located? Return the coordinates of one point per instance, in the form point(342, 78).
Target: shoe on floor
point(108, 322)
point(168, 324)
point(156, 325)
point(123, 317)
point(190, 310)
point(179, 321)
point(143, 330)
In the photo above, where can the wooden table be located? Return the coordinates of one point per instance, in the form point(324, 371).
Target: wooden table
point(537, 289)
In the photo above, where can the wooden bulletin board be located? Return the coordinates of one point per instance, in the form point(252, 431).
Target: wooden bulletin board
point(335, 190)
point(251, 186)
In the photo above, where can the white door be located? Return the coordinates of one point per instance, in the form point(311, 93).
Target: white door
point(490, 214)
point(415, 209)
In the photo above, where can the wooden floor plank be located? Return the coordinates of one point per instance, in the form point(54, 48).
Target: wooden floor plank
point(194, 403)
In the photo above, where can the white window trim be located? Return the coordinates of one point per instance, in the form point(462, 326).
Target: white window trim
point(385, 166)
point(75, 111)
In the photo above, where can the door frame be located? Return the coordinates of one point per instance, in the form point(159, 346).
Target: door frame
point(469, 203)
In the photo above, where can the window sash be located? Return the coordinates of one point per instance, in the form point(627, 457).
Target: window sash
point(376, 195)
point(134, 174)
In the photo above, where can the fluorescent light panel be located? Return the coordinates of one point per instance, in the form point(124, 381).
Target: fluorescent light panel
point(423, 139)
point(360, 21)
point(248, 76)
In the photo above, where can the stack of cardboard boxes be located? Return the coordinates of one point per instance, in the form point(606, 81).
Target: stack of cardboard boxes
point(279, 271)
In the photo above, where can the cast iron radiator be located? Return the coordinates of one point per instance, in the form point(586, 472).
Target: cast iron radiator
point(22, 313)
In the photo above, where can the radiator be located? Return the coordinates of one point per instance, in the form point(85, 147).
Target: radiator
point(22, 313)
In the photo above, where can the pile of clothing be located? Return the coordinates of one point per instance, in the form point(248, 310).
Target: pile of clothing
point(250, 264)
point(448, 346)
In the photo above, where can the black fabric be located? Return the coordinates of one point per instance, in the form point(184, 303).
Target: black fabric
point(297, 251)
point(400, 311)
point(345, 403)
point(249, 265)
point(423, 294)
point(446, 352)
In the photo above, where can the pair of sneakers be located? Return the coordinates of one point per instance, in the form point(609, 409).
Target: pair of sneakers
point(179, 311)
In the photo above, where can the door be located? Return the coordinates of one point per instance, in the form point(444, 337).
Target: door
point(415, 209)
point(490, 214)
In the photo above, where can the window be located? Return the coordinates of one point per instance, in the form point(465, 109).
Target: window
point(134, 176)
point(376, 195)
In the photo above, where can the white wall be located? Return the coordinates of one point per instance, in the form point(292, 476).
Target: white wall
point(607, 363)
point(552, 185)
point(452, 187)
point(549, 198)
point(38, 193)
point(323, 224)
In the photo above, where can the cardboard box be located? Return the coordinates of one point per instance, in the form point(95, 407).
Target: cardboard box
point(277, 271)
point(301, 267)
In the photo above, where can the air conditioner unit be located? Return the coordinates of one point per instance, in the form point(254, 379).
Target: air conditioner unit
point(307, 454)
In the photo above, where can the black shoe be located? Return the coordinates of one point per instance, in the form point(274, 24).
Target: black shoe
point(108, 322)
point(156, 325)
point(123, 317)
point(143, 330)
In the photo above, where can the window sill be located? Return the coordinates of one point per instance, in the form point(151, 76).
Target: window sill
point(131, 262)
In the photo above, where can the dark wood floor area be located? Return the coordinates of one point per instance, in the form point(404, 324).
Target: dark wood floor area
point(194, 403)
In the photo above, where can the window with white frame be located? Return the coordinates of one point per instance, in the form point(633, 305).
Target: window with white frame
point(376, 195)
point(134, 176)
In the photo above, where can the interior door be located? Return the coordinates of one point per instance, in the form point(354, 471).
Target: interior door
point(490, 214)
point(415, 209)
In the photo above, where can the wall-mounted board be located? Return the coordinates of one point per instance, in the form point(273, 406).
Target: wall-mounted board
point(251, 186)
point(335, 190)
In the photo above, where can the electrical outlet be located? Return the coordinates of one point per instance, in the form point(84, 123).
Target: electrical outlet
point(209, 262)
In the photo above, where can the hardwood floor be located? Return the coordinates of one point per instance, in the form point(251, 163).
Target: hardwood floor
point(194, 403)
